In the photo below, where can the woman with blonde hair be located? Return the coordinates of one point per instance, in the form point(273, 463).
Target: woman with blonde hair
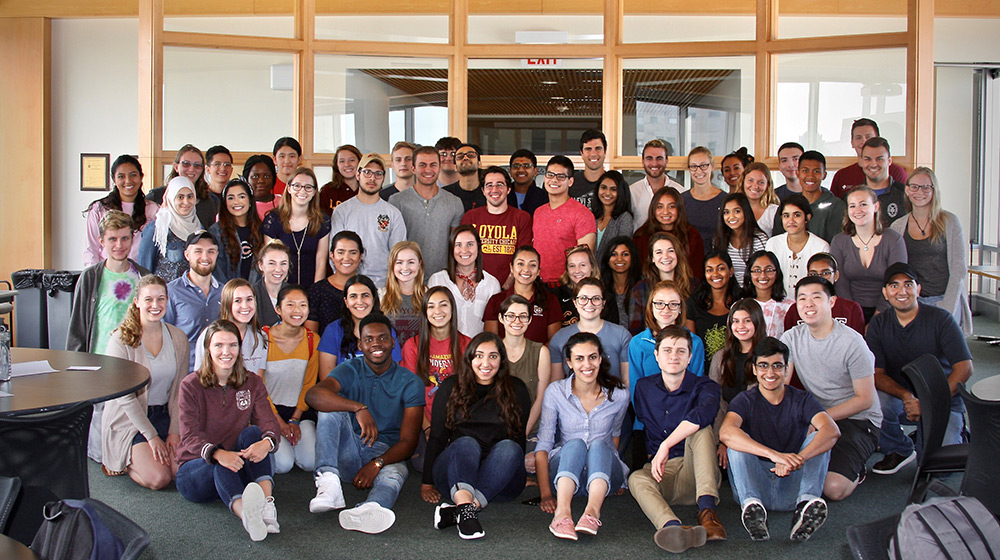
point(757, 184)
point(300, 224)
point(404, 289)
point(238, 303)
point(704, 201)
point(272, 265)
point(580, 264)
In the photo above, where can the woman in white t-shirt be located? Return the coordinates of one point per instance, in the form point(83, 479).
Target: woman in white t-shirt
point(465, 278)
point(238, 304)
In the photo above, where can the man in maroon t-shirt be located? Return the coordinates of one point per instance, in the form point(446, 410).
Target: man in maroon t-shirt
point(861, 131)
point(844, 310)
point(502, 228)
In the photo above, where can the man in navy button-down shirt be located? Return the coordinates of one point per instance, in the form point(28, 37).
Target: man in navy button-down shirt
point(677, 409)
point(193, 299)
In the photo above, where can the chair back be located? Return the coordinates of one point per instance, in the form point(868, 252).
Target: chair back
point(980, 479)
point(10, 488)
point(930, 385)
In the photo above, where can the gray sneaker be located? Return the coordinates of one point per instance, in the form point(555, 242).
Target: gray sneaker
point(755, 521)
point(809, 516)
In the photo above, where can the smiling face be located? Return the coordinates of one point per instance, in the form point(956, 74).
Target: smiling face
point(346, 257)
point(438, 310)
point(244, 305)
point(664, 257)
point(301, 189)
point(813, 304)
point(486, 362)
point(669, 303)
point(515, 321)
point(465, 250)
point(376, 343)
point(589, 303)
point(717, 273)
point(294, 309)
point(773, 377)
point(788, 163)
point(261, 180)
point(406, 266)
point(184, 202)
point(558, 179)
point(901, 292)
point(875, 162)
point(220, 169)
point(190, 165)
point(763, 273)
point(811, 175)
point(584, 361)
point(347, 164)
point(274, 267)
point(427, 167)
point(466, 160)
point(861, 208)
point(237, 201)
point(742, 326)
point(620, 259)
point(794, 219)
point(732, 168)
point(673, 355)
point(224, 349)
point(525, 268)
point(286, 160)
point(593, 154)
point(654, 162)
point(578, 267)
point(495, 188)
point(201, 256)
point(128, 181)
point(732, 215)
point(920, 190)
point(359, 301)
point(607, 191)
point(522, 171)
point(755, 185)
point(152, 303)
point(666, 212)
point(700, 166)
point(117, 243)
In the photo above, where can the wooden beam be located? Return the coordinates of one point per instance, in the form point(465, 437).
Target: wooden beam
point(231, 42)
point(304, 74)
point(767, 29)
point(458, 71)
point(920, 82)
point(611, 102)
point(151, 91)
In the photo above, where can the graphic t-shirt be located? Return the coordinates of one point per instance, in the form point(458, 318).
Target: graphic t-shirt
point(114, 295)
point(441, 363)
point(501, 235)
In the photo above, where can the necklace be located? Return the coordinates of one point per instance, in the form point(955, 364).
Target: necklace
point(865, 243)
point(298, 254)
point(923, 230)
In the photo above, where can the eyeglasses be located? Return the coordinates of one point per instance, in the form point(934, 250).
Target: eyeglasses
point(672, 305)
point(296, 187)
point(557, 176)
point(758, 270)
point(368, 174)
point(491, 186)
point(447, 154)
point(824, 273)
point(466, 155)
point(514, 317)
point(776, 367)
point(914, 187)
point(195, 164)
point(594, 300)
point(700, 167)
point(222, 164)
point(521, 166)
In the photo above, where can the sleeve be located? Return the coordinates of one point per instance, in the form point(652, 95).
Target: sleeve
point(838, 249)
point(526, 233)
point(192, 416)
point(336, 219)
point(810, 407)
point(467, 219)
point(223, 266)
point(706, 407)
point(958, 266)
point(130, 403)
point(617, 423)
point(549, 419)
point(314, 294)
point(715, 368)
point(199, 350)
point(414, 396)
point(585, 223)
point(437, 279)
point(634, 366)
point(553, 313)
point(898, 172)
point(329, 343)
point(951, 339)
point(398, 232)
point(409, 360)
point(623, 339)
point(78, 331)
point(639, 404)
point(856, 317)
point(397, 351)
point(344, 374)
point(792, 317)
point(492, 310)
point(637, 308)
point(556, 347)
point(170, 315)
point(148, 254)
point(741, 406)
point(860, 360)
point(697, 365)
point(456, 218)
point(440, 435)
point(897, 250)
point(309, 379)
point(181, 355)
point(263, 415)
point(92, 245)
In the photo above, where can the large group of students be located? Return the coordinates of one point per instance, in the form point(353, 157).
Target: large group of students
point(586, 337)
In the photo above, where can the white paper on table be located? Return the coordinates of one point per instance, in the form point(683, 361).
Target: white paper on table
point(5, 394)
point(30, 368)
point(83, 368)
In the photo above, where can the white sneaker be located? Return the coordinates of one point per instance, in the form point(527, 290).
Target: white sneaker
point(329, 494)
point(253, 511)
point(369, 517)
point(271, 516)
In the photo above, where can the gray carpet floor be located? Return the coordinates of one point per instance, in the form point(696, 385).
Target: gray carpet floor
point(183, 530)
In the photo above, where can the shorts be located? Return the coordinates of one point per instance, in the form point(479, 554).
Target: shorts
point(159, 416)
point(858, 440)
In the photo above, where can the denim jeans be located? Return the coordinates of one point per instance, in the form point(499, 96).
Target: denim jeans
point(576, 461)
point(892, 439)
point(339, 450)
point(199, 481)
point(462, 466)
point(751, 477)
point(303, 453)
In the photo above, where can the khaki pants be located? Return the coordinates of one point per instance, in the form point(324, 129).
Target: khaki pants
point(684, 479)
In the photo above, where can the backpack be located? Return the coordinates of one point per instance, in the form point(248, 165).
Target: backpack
point(72, 530)
point(956, 528)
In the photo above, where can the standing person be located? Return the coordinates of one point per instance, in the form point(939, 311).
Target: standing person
point(465, 278)
point(161, 249)
point(404, 290)
point(757, 184)
point(292, 369)
point(369, 418)
point(529, 360)
point(140, 432)
point(763, 282)
point(934, 236)
point(326, 297)
point(219, 169)
point(287, 154)
point(593, 151)
point(341, 339)
point(238, 305)
point(429, 212)
point(260, 172)
point(733, 166)
point(468, 188)
point(772, 424)
point(446, 147)
point(611, 209)
point(580, 264)
point(620, 271)
point(563, 222)
point(475, 451)
point(666, 261)
point(845, 311)
point(708, 306)
point(225, 443)
point(738, 233)
point(190, 163)
point(525, 194)
point(654, 163)
point(402, 169)
point(667, 214)
point(891, 194)
point(273, 263)
point(195, 297)
point(127, 197)
point(577, 449)
point(378, 223)
point(827, 210)
point(502, 227)
point(797, 245)
point(680, 444)
point(238, 231)
point(344, 185)
point(300, 224)
point(864, 251)
point(546, 315)
point(589, 300)
point(703, 203)
point(862, 130)
point(833, 363)
point(788, 166)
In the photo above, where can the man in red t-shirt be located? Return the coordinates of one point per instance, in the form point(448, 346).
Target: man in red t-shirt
point(562, 223)
point(502, 228)
point(844, 310)
point(861, 131)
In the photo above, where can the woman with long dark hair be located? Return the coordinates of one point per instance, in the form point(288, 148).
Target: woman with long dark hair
point(546, 315)
point(708, 306)
point(237, 231)
point(340, 339)
point(471, 286)
point(475, 452)
point(738, 233)
point(260, 172)
point(733, 165)
point(667, 214)
point(763, 282)
point(126, 174)
point(529, 360)
point(620, 272)
point(666, 262)
point(612, 209)
point(797, 244)
point(345, 180)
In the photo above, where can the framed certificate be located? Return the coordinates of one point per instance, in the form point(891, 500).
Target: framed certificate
point(94, 172)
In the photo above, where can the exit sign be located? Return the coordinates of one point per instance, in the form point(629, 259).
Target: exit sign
point(540, 62)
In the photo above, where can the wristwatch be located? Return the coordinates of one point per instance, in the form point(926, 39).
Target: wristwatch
point(379, 462)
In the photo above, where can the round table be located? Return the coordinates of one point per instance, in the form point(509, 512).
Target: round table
point(63, 389)
point(987, 389)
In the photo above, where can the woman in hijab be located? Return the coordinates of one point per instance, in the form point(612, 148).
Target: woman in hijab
point(162, 247)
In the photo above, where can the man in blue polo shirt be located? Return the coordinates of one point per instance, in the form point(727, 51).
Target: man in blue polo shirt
point(370, 412)
point(910, 330)
point(193, 300)
point(677, 409)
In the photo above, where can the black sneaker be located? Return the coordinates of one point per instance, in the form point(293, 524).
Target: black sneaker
point(809, 516)
point(444, 516)
point(468, 522)
point(891, 463)
point(755, 521)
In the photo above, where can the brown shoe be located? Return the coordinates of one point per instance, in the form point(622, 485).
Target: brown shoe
point(714, 531)
point(677, 538)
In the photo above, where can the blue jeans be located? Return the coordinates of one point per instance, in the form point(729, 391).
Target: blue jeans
point(751, 477)
point(199, 481)
point(891, 439)
point(497, 475)
point(339, 450)
point(576, 461)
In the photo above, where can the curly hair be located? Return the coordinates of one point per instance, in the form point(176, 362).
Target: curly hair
point(501, 391)
point(130, 329)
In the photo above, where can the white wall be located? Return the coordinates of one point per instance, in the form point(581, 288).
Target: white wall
point(95, 109)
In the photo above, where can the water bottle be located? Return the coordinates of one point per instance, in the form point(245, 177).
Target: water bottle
point(4, 352)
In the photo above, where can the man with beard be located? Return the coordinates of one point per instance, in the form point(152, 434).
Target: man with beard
point(876, 162)
point(654, 163)
point(525, 194)
point(193, 300)
point(467, 188)
point(502, 227)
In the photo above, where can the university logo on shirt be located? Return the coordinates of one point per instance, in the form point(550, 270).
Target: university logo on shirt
point(383, 222)
point(243, 399)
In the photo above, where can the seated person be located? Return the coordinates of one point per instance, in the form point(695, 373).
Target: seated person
point(844, 310)
point(833, 363)
point(683, 469)
point(908, 330)
point(370, 410)
point(775, 460)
